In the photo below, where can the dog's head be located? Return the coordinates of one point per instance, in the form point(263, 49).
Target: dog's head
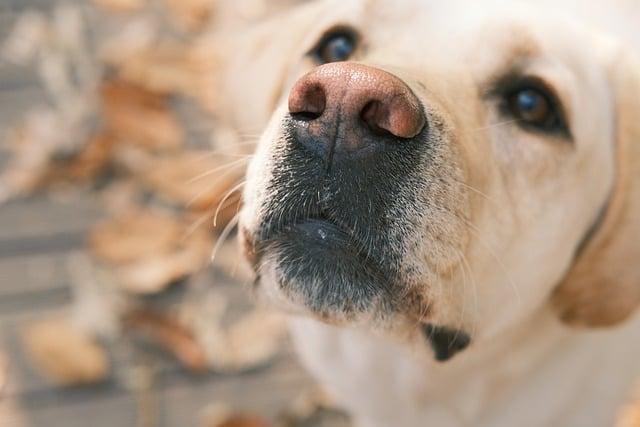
point(458, 168)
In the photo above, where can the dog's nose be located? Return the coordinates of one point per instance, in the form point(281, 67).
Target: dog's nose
point(354, 106)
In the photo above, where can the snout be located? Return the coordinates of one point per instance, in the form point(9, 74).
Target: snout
point(352, 189)
point(346, 107)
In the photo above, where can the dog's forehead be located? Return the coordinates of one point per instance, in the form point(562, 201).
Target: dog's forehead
point(447, 34)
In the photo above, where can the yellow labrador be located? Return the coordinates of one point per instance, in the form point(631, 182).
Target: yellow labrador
point(446, 197)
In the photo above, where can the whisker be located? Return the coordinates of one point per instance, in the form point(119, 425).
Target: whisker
point(217, 169)
point(196, 224)
point(226, 196)
point(475, 190)
point(227, 149)
point(494, 125)
point(209, 188)
point(474, 286)
point(224, 235)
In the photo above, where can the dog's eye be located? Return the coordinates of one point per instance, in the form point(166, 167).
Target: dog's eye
point(335, 46)
point(535, 107)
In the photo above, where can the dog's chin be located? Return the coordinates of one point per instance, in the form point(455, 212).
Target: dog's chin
point(316, 265)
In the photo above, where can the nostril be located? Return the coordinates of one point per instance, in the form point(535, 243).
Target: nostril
point(374, 115)
point(307, 102)
point(400, 116)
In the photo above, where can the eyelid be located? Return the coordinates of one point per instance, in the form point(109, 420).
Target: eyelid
point(338, 29)
point(507, 84)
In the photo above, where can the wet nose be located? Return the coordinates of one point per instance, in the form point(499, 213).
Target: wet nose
point(353, 106)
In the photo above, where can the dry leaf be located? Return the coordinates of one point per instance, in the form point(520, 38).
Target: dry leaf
point(243, 421)
point(311, 408)
point(190, 15)
point(251, 342)
point(630, 414)
point(28, 34)
point(630, 417)
point(64, 354)
point(122, 6)
point(140, 117)
point(154, 274)
point(170, 335)
point(149, 250)
point(97, 305)
point(135, 235)
point(199, 181)
point(85, 166)
point(219, 415)
point(161, 68)
point(134, 36)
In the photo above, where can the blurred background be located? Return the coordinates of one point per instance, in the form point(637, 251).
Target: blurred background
point(116, 186)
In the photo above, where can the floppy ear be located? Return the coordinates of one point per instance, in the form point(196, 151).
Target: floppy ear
point(603, 286)
point(249, 67)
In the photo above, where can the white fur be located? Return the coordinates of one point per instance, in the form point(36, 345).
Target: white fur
point(523, 368)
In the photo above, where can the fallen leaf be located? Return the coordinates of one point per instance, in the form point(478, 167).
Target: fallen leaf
point(84, 166)
point(134, 235)
point(172, 336)
point(140, 117)
point(154, 274)
point(148, 250)
point(313, 407)
point(161, 68)
point(199, 181)
point(121, 6)
point(250, 343)
point(191, 15)
point(243, 421)
point(28, 34)
point(64, 354)
point(219, 415)
point(629, 415)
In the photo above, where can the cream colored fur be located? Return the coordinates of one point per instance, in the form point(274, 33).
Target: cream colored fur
point(523, 283)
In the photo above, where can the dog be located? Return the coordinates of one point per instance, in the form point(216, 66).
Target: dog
point(446, 198)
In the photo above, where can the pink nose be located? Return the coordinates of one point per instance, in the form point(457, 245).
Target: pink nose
point(348, 96)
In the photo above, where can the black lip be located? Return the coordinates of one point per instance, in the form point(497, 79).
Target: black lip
point(323, 234)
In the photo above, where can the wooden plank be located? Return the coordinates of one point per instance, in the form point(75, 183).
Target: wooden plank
point(266, 394)
point(46, 220)
point(32, 274)
point(106, 410)
point(15, 103)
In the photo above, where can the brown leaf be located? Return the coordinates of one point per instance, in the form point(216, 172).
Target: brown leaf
point(152, 275)
point(64, 354)
point(84, 166)
point(161, 68)
point(123, 6)
point(166, 332)
point(137, 116)
point(199, 181)
point(629, 415)
point(149, 250)
point(190, 15)
point(251, 342)
point(243, 421)
point(134, 235)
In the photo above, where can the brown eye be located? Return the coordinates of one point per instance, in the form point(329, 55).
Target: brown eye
point(335, 46)
point(535, 108)
point(531, 106)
